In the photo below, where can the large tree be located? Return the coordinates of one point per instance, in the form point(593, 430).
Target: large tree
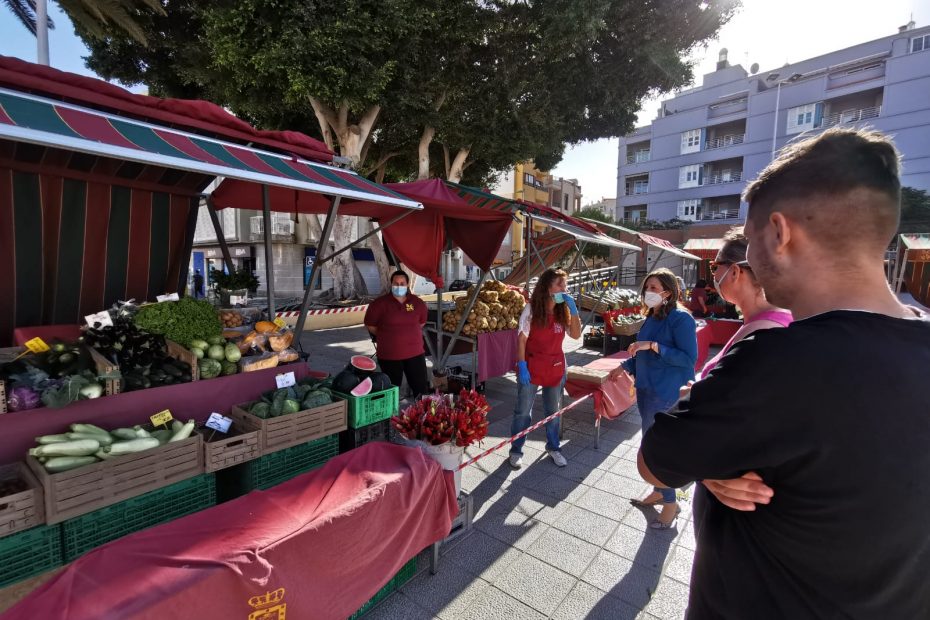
point(414, 88)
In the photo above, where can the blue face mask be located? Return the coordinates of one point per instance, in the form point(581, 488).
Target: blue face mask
point(399, 291)
point(559, 297)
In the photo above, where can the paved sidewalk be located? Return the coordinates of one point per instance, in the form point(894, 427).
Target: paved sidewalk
point(547, 542)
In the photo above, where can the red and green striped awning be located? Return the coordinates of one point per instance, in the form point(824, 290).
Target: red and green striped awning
point(31, 119)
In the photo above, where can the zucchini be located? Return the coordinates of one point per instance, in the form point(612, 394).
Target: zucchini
point(87, 428)
point(141, 432)
point(100, 454)
point(105, 440)
point(184, 432)
point(46, 439)
point(176, 426)
point(77, 447)
point(163, 435)
point(64, 463)
point(123, 433)
point(134, 445)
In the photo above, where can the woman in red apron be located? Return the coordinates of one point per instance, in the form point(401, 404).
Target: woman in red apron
point(541, 363)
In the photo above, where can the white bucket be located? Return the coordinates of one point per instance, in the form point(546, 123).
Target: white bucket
point(449, 456)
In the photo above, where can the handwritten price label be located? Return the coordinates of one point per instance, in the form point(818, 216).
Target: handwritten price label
point(285, 379)
point(219, 422)
point(168, 297)
point(37, 345)
point(101, 318)
point(162, 418)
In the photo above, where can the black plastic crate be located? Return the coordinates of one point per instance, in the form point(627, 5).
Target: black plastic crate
point(354, 437)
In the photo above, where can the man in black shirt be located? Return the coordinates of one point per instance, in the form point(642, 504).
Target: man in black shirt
point(832, 413)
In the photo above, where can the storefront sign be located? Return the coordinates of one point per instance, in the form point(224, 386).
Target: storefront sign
point(241, 251)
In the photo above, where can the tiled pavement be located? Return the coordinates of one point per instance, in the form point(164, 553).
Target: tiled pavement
point(547, 542)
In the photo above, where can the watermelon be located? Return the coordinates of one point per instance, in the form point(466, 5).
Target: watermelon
point(363, 363)
point(363, 388)
point(346, 381)
point(380, 382)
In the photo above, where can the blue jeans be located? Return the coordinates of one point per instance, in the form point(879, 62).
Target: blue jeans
point(649, 404)
point(523, 414)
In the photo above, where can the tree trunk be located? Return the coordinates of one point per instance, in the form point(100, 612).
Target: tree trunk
point(352, 139)
point(458, 165)
point(381, 260)
point(423, 152)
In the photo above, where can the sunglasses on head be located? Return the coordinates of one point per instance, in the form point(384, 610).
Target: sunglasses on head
point(717, 264)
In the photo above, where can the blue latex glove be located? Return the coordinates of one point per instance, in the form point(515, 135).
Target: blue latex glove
point(572, 308)
point(523, 373)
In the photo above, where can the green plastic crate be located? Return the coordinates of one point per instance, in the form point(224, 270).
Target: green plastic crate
point(377, 406)
point(397, 581)
point(273, 469)
point(81, 534)
point(30, 552)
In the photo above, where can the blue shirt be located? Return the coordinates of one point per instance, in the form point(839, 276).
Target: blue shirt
point(664, 373)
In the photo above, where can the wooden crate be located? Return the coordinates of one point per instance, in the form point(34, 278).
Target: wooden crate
point(22, 510)
point(85, 489)
point(240, 446)
point(184, 355)
point(293, 428)
point(106, 367)
point(7, 354)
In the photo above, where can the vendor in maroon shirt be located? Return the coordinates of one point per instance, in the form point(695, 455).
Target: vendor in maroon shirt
point(698, 302)
point(396, 322)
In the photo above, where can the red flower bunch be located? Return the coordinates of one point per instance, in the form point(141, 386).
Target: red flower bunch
point(439, 419)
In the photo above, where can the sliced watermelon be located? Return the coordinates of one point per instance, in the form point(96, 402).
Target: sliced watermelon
point(363, 388)
point(363, 363)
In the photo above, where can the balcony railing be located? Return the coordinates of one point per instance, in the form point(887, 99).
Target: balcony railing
point(717, 178)
point(721, 214)
point(635, 190)
point(850, 116)
point(722, 141)
point(638, 157)
point(282, 229)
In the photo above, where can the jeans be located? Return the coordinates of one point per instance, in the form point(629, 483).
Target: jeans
point(523, 414)
point(649, 404)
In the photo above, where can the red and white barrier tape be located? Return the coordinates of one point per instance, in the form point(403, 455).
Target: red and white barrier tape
point(296, 313)
point(524, 433)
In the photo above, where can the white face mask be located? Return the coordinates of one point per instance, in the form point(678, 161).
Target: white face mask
point(717, 282)
point(652, 299)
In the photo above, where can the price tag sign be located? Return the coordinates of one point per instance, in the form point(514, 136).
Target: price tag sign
point(285, 379)
point(37, 345)
point(168, 297)
point(102, 317)
point(236, 299)
point(219, 422)
point(280, 322)
point(162, 418)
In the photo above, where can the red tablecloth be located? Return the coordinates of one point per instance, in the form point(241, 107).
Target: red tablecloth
point(721, 330)
point(185, 400)
point(703, 341)
point(497, 354)
point(48, 333)
point(612, 397)
point(317, 547)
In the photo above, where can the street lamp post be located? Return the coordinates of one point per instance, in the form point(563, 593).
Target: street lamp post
point(774, 76)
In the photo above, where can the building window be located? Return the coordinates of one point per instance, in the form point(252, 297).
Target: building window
point(918, 44)
point(690, 141)
point(566, 202)
point(688, 209)
point(689, 176)
point(804, 117)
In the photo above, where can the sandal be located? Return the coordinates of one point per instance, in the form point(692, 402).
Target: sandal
point(658, 524)
point(642, 504)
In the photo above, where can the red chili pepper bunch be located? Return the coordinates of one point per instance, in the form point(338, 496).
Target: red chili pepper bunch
point(437, 420)
point(471, 418)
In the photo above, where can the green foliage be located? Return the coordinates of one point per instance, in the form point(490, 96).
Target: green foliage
point(237, 280)
point(915, 210)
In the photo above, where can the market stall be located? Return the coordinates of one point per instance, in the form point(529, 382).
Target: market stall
point(318, 547)
point(706, 250)
point(611, 385)
point(910, 266)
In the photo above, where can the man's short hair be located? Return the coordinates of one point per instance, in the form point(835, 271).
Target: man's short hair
point(400, 272)
point(816, 180)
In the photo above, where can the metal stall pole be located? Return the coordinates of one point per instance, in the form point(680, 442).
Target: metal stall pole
point(220, 235)
point(315, 270)
point(528, 222)
point(447, 353)
point(440, 270)
point(188, 243)
point(269, 267)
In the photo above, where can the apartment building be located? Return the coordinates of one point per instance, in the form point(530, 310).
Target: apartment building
point(693, 161)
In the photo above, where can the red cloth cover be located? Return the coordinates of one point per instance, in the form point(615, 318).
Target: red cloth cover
point(612, 397)
point(185, 400)
point(180, 113)
point(48, 333)
point(703, 341)
point(497, 354)
point(318, 546)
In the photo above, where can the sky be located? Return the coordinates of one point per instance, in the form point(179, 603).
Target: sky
point(763, 31)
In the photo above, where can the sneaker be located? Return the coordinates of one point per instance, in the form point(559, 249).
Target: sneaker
point(557, 458)
point(516, 461)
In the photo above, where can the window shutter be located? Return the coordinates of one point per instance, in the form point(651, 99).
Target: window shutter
point(701, 174)
point(818, 114)
point(703, 138)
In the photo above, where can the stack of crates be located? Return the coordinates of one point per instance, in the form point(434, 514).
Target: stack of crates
point(369, 418)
